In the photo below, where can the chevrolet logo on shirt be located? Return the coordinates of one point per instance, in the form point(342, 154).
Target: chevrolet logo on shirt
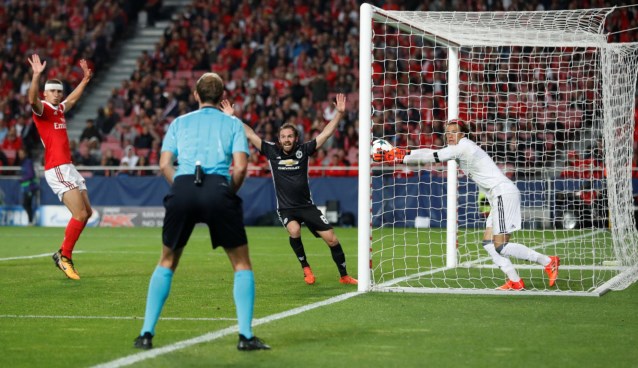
point(288, 162)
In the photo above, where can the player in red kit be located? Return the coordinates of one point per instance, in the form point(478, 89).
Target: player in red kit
point(61, 175)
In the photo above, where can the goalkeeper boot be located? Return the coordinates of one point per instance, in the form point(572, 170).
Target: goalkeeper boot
point(308, 276)
point(144, 342)
point(348, 280)
point(552, 269)
point(512, 285)
point(251, 344)
point(66, 265)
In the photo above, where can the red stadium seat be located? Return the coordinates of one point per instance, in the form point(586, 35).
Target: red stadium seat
point(183, 74)
point(11, 155)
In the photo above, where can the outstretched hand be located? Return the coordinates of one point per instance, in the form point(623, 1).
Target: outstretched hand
point(341, 103)
point(227, 108)
point(88, 73)
point(36, 64)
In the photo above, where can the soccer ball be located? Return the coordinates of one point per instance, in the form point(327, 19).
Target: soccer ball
point(380, 144)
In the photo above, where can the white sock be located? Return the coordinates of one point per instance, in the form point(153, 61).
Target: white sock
point(503, 263)
point(522, 252)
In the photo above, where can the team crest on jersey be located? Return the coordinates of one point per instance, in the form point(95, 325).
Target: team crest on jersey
point(299, 154)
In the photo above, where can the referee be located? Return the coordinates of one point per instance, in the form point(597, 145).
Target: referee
point(205, 142)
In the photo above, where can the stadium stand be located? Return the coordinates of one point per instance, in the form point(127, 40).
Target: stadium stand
point(283, 62)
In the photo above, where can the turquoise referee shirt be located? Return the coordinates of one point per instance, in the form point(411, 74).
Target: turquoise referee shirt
point(206, 135)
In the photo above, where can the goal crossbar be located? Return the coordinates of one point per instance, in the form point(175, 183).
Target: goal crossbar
point(484, 29)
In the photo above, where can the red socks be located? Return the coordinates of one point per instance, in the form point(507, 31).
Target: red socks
point(71, 234)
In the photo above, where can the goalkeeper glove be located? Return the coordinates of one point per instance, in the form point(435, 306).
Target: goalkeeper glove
point(395, 155)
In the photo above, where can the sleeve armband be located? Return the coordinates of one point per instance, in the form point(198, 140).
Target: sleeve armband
point(436, 157)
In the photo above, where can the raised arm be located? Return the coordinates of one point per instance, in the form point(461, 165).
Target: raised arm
point(34, 91)
point(74, 96)
point(329, 130)
point(253, 138)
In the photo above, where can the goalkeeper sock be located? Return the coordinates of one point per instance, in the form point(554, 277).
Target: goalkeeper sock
point(297, 247)
point(339, 258)
point(158, 290)
point(522, 252)
point(244, 295)
point(503, 263)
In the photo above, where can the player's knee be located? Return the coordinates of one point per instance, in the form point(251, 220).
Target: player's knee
point(499, 248)
point(294, 230)
point(82, 215)
point(331, 239)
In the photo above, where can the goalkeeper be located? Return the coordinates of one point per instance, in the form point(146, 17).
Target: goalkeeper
point(504, 198)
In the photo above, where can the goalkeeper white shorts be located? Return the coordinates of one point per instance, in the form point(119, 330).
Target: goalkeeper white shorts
point(63, 178)
point(505, 213)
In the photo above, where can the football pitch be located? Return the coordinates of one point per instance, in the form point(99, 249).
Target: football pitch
point(47, 320)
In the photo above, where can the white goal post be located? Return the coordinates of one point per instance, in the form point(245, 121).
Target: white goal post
point(547, 97)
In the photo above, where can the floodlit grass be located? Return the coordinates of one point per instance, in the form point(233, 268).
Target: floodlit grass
point(418, 258)
point(47, 320)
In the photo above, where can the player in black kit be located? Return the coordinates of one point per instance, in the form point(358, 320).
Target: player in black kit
point(289, 166)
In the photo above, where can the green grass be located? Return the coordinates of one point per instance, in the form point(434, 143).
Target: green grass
point(368, 330)
point(419, 256)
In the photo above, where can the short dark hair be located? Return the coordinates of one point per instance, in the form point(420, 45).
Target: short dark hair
point(289, 126)
point(210, 88)
point(463, 126)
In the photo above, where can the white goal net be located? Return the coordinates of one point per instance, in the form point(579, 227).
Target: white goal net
point(547, 97)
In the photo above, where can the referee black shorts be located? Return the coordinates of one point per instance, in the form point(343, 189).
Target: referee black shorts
point(311, 216)
point(212, 203)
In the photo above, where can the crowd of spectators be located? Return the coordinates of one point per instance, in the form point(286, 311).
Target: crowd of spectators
point(65, 31)
point(283, 61)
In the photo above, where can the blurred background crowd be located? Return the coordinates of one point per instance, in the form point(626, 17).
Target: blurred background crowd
point(283, 62)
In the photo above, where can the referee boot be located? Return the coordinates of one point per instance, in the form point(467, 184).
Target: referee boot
point(66, 265)
point(253, 343)
point(144, 342)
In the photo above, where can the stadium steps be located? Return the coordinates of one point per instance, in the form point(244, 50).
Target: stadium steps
point(120, 69)
point(123, 65)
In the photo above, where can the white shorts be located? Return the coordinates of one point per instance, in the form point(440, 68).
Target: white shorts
point(63, 178)
point(505, 215)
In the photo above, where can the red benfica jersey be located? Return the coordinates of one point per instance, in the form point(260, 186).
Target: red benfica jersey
point(52, 128)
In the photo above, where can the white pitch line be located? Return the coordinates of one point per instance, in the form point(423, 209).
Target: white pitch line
point(34, 256)
point(117, 317)
point(153, 353)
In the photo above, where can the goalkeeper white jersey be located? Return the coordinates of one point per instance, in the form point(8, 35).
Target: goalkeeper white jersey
point(477, 165)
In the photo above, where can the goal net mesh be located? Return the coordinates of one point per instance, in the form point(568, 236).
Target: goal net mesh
point(549, 100)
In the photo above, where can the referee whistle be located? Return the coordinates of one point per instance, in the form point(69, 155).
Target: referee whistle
point(199, 173)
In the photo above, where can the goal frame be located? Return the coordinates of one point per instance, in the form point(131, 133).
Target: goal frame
point(368, 13)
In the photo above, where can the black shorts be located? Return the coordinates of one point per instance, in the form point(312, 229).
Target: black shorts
point(311, 216)
point(212, 203)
